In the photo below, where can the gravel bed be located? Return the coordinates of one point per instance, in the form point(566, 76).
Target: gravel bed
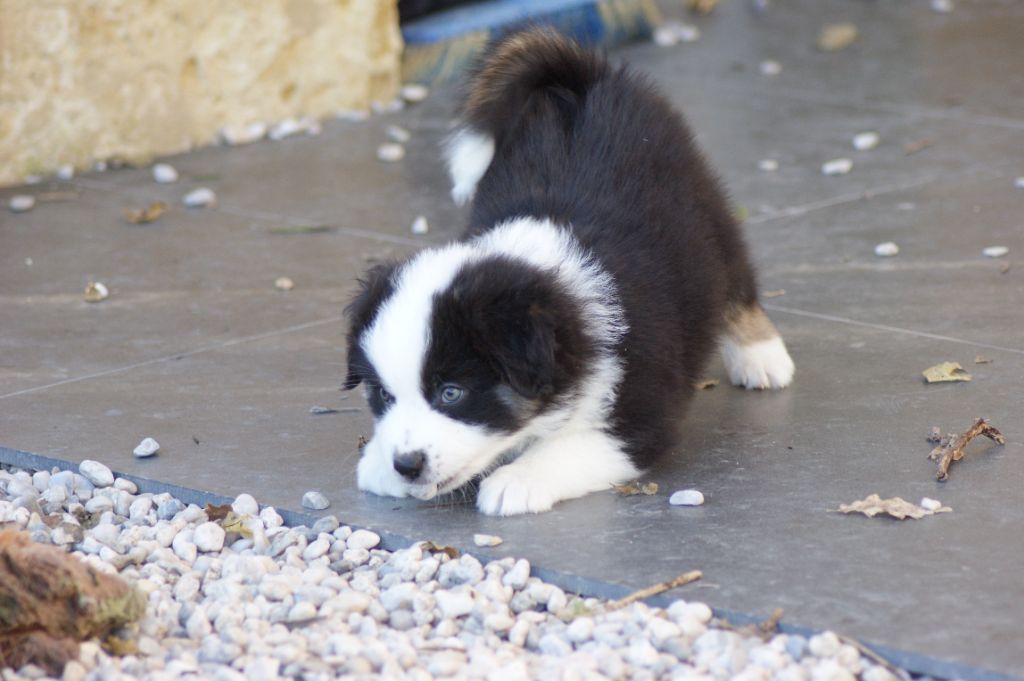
point(326, 602)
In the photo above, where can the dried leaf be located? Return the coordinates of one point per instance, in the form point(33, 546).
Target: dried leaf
point(239, 524)
point(284, 284)
point(896, 507)
point(702, 6)
point(981, 359)
point(214, 512)
point(835, 37)
point(148, 214)
point(945, 372)
point(911, 148)
point(95, 292)
point(951, 447)
point(632, 489)
point(706, 384)
point(434, 547)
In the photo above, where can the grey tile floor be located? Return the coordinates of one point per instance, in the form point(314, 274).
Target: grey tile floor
point(196, 344)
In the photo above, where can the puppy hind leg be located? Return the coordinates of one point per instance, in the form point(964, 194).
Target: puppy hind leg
point(753, 351)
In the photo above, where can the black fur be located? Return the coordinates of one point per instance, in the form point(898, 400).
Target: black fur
point(374, 288)
point(597, 148)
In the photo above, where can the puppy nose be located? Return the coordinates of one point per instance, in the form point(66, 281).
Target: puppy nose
point(410, 464)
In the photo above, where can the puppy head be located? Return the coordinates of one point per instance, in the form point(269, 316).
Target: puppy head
point(458, 354)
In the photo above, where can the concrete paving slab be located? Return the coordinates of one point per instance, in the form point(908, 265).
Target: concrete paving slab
point(196, 345)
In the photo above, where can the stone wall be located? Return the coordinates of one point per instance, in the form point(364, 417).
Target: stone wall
point(87, 80)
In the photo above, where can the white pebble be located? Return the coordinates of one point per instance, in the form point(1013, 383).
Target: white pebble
point(165, 173)
point(271, 518)
point(96, 473)
point(865, 140)
point(672, 32)
point(995, 251)
point(414, 93)
point(929, 504)
point(397, 133)
point(363, 539)
point(96, 291)
point(209, 537)
point(315, 549)
point(245, 504)
point(419, 225)
point(99, 504)
point(838, 166)
point(315, 500)
point(21, 203)
point(770, 67)
point(942, 6)
point(454, 604)
point(284, 284)
point(686, 497)
point(768, 165)
point(202, 197)
point(243, 134)
point(262, 669)
point(301, 611)
point(1019, 182)
point(887, 249)
point(825, 644)
point(486, 540)
point(148, 447)
point(183, 546)
point(65, 172)
point(391, 152)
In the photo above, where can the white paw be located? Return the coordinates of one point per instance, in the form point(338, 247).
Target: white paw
point(376, 474)
point(512, 490)
point(761, 365)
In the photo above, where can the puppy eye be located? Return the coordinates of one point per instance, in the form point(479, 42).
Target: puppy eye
point(451, 394)
point(385, 396)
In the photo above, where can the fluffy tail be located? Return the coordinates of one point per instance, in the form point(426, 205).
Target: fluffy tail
point(516, 71)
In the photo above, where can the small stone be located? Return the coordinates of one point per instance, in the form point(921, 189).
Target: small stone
point(414, 93)
point(942, 6)
point(315, 501)
point(315, 549)
point(580, 630)
point(887, 249)
point(65, 172)
point(397, 133)
point(419, 225)
point(209, 537)
point(148, 447)
point(203, 197)
point(95, 292)
point(363, 539)
point(302, 611)
point(41, 480)
point(995, 251)
point(126, 485)
point(770, 67)
point(271, 518)
point(1019, 182)
point(183, 547)
point(454, 604)
point(673, 32)
point(553, 645)
point(486, 540)
point(164, 173)
point(518, 575)
point(686, 497)
point(796, 646)
point(243, 134)
point(326, 525)
point(838, 166)
point(140, 507)
point(446, 663)
point(284, 284)
point(168, 509)
point(245, 504)
point(825, 644)
point(875, 673)
point(262, 669)
point(768, 165)
point(96, 473)
point(21, 203)
point(391, 152)
point(865, 140)
point(99, 504)
point(929, 504)
point(835, 37)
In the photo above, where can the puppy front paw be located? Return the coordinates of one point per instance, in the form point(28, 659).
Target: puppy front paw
point(759, 366)
point(513, 490)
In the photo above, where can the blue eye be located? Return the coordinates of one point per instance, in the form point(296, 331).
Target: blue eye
point(385, 396)
point(451, 394)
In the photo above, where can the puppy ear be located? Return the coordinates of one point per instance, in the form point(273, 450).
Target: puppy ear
point(374, 288)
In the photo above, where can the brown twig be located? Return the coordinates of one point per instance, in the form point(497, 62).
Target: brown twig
point(872, 655)
point(951, 448)
point(685, 578)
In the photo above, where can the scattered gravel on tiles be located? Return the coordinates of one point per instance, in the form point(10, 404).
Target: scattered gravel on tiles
point(164, 173)
point(414, 93)
point(686, 497)
point(391, 152)
point(326, 601)
point(419, 225)
point(995, 251)
point(770, 67)
point(148, 447)
point(315, 500)
point(21, 203)
point(838, 166)
point(203, 197)
point(863, 141)
point(887, 249)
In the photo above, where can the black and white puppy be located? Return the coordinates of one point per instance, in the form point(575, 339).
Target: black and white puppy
point(554, 348)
